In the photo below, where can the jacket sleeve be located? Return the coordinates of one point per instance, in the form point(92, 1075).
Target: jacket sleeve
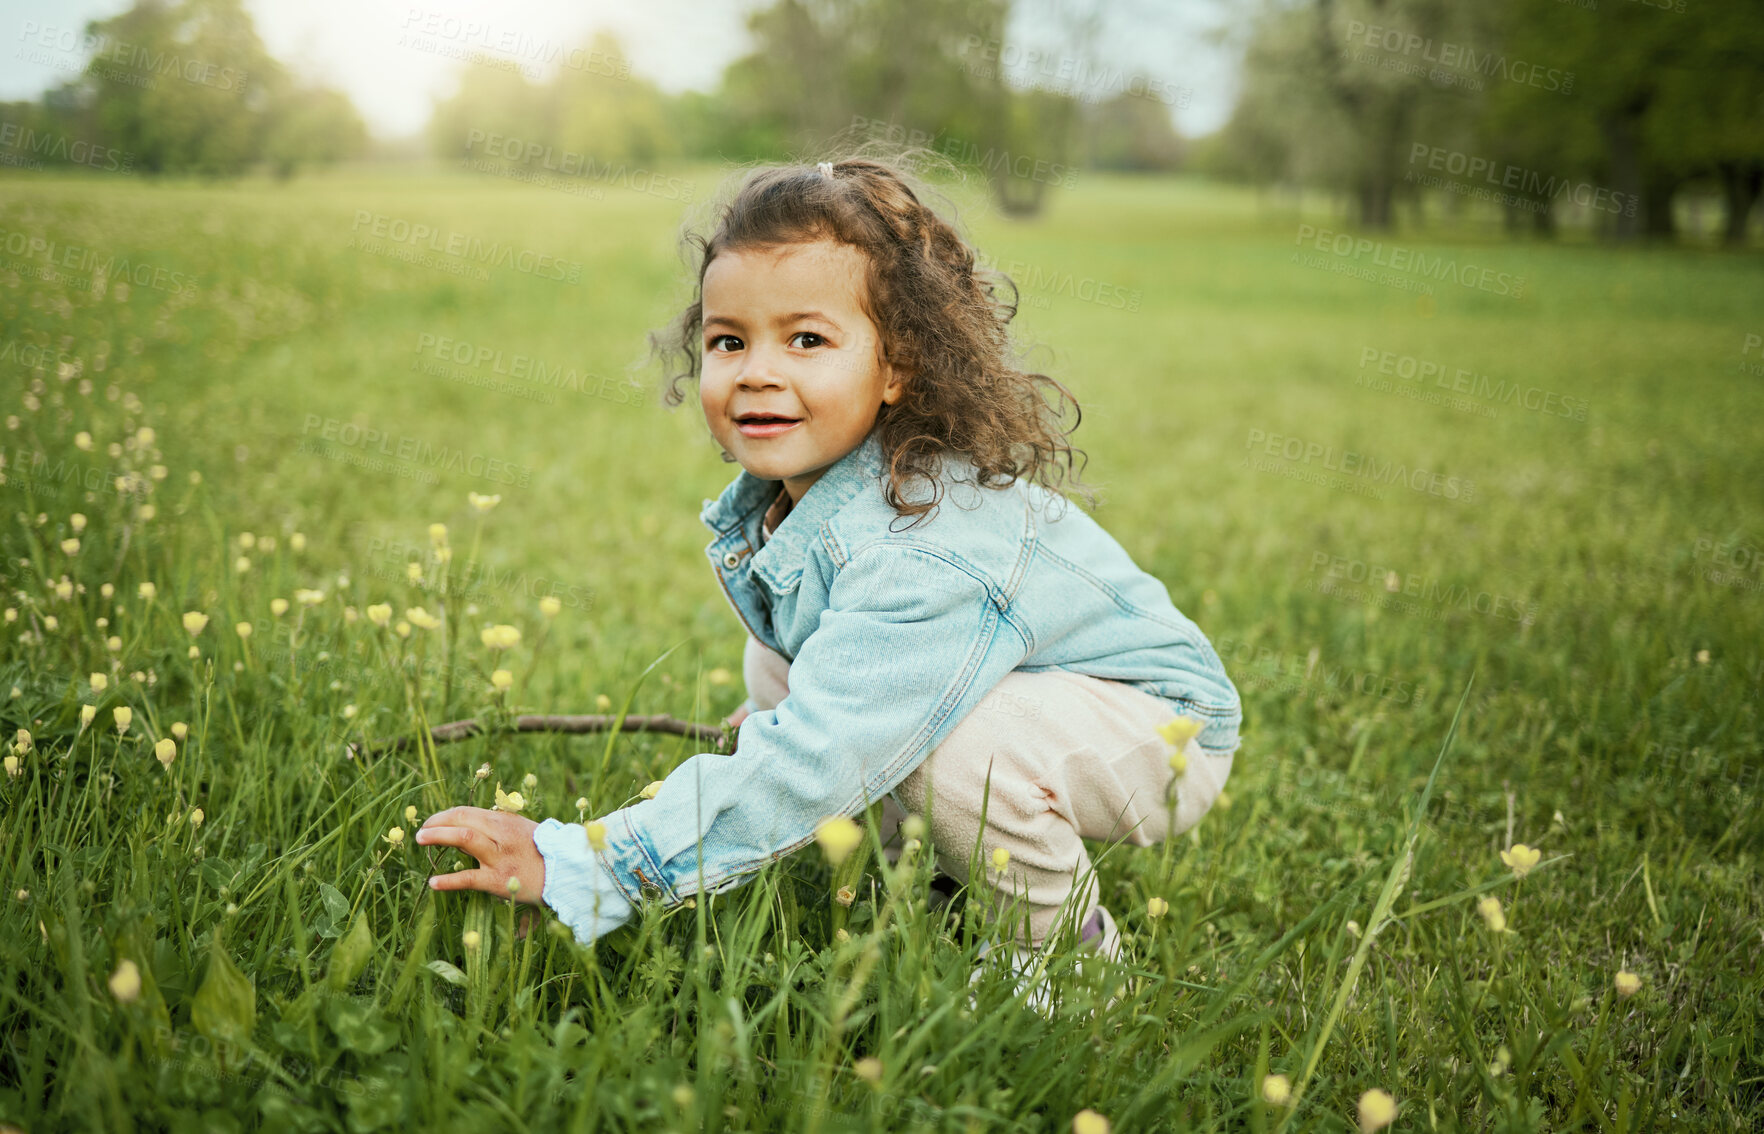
point(909, 643)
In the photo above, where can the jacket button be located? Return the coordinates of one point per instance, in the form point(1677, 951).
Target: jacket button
point(651, 892)
point(732, 560)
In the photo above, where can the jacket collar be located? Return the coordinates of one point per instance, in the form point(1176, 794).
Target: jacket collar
point(742, 504)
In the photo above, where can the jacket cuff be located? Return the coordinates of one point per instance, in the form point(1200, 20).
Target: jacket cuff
point(577, 886)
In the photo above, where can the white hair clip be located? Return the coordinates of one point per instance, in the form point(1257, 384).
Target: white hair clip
point(827, 170)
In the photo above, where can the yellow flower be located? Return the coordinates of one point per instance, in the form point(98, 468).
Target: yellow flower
point(483, 772)
point(350, 615)
point(1000, 858)
point(845, 896)
point(166, 751)
point(380, 613)
point(501, 637)
point(243, 629)
point(514, 885)
point(719, 676)
point(99, 682)
point(1276, 1089)
point(1521, 858)
point(840, 937)
point(482, 503)
point(147, 591)
point(64, 589)
point(195, 651)
point(180, 729)
point(77, 522)
point(50, 622)
point(1377, 1110)
point(246, 539)
point(297, 541)
point(1222, 801)
point(581, 803)
point(113, 643)
point(242, 564)
point(420, 617)
point(1088, 1121)
point(395, 836)
point(869, 1069)
point(1490, 909)
point(1628, 984)
point(838, 837)
point(194, 621)
point(410, 814)
point(501, 679)
point(123, 715)
point(70, 546)
point(13, 768)
point(23, 738)
point(602, 702)
point(650, 789)
point(471, 939)
point(83, 440)
point(1178, 762)
point(106, 591)
point(437, 534)
point(550, 605)
point(196, 817)
point(413, 571)
point(596, 834)
point(402, 629)
point(306, 596)
point(125, 982)
point(508, 801)
point(1156, 908)
point(87, 712)
point(1180, 731)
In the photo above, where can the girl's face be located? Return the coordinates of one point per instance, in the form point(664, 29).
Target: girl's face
point(786, 338)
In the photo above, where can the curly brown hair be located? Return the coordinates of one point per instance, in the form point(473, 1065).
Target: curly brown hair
point(943, 322)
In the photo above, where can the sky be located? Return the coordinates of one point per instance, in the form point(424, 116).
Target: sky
point(391, 56)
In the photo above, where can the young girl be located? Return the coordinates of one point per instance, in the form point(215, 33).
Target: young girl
point(857, 366)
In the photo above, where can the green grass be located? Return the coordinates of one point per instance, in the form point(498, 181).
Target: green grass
point(1580, 593)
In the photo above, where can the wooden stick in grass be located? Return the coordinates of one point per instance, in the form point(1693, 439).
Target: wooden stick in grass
point(593, 722)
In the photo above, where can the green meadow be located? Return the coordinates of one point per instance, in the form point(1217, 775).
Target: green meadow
point(1483, 558)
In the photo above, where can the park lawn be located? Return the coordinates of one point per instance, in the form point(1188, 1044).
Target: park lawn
point(1571, 573)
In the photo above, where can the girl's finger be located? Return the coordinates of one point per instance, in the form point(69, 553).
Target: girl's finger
point(452, 817)
point(475, 879)
point(468, 839)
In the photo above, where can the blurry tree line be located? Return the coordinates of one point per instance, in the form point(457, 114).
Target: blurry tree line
point(1605, 108)
point(824, 75)
point(179, 86)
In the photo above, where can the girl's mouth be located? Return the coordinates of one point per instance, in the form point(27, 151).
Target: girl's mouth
point(766, 426)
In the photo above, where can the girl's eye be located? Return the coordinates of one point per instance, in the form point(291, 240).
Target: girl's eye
point(810, 334)
point(719, 338)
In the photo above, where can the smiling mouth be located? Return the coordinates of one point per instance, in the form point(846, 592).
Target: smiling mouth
point(764, 425)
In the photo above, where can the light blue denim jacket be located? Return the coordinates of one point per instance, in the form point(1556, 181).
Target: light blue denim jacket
point(894, 636)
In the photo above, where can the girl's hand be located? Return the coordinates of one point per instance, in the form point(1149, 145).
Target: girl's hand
point(734, 719)
point(501, 842)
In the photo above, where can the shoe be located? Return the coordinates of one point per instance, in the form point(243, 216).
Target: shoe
point(1098, 937)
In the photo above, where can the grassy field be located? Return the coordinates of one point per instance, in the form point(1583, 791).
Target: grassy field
point(1373, 497)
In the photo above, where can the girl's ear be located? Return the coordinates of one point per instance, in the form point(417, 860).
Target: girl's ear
point(896, 387)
